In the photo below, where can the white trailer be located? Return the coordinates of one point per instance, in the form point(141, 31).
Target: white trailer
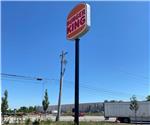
point(54, 112)
point(121, 111)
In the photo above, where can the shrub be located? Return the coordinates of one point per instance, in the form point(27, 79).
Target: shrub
point(6, 122)
point(36, 122)
point(48, 121)
point(27, 121)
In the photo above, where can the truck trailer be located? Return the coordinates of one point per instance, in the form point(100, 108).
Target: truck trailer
point(122, 112)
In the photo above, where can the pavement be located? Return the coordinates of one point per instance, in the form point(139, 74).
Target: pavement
point(86, 118)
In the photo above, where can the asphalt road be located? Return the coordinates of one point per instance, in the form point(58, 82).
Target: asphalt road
point(85, 118)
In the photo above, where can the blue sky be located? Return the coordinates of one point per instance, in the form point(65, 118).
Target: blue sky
point(113, 54)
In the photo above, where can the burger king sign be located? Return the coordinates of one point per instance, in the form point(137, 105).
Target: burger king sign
point(78, 21)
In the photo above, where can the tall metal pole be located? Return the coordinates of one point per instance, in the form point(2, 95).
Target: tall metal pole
point(62, 70)
point(77, 81)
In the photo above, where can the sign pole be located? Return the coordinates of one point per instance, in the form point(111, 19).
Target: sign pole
point(77, 81)
point(78, 23)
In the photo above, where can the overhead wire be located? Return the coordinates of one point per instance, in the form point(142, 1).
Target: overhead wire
point(134, 75)
point(82, 85)
point(39, 78)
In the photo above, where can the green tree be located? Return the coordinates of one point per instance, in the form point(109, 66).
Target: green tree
point(148, 98)
point(45, 102)
point(23, 109)
point(106, 101)
point(35, 108)
point(113, 101)
point(134, 105)
point(4, 104)
point(10, 111)
point(31, 109)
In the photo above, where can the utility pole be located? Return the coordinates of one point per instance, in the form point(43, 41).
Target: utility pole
point(62, 71)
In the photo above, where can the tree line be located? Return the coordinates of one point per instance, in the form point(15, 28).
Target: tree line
point(23, 109)
point(45, 104)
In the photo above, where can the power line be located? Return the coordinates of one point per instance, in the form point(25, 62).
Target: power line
point(107, 94)
point(134, 75)
point(20, 80)
point(39, 78)
point(82, 85)
point(98, 89)
point(102, 90)
point(20, 76)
